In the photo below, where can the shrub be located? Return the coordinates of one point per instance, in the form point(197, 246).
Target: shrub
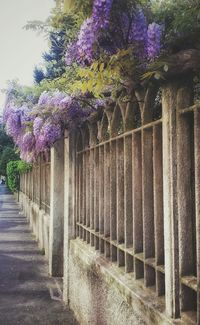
point(14, 168)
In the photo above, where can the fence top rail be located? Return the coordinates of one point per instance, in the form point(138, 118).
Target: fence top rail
point(122, 135)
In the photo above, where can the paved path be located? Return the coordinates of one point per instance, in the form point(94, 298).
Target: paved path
point(26, 291)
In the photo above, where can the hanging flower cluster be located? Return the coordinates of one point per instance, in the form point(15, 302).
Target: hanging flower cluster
point(82, 50)
point(154, 36)
point(131, 29)
point(35, 129)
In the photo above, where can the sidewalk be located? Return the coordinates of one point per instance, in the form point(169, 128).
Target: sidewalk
point(27, 295)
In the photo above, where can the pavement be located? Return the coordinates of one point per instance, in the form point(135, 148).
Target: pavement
point(28, 296)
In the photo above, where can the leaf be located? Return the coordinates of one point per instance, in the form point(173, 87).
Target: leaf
point(90, 85)
point(95, 65)
point(101, 67)
point(147, 75)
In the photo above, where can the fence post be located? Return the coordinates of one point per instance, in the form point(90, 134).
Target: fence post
point(176, 95)
point(169, 102)
point(69, 206)
point(56, 210)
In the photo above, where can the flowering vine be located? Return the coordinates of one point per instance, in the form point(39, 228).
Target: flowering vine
point(35, 129)
point(110, 43)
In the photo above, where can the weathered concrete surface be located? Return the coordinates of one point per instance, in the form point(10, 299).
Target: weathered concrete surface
point(26, 291)
point(38, 221)
point(100, 293)
point(56, 209)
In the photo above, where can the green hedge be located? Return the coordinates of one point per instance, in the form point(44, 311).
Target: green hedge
point(14, 168)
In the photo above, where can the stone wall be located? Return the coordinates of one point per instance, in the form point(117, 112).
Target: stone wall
point(101, 293)
point(34, 199)
point(38, 220)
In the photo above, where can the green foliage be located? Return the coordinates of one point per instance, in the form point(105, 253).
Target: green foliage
point(7, 155)
point(37, 25)
point(14, 168)
point(7, 151)
point(105, 74)
point(181, 19)
point(23, 167)
point(13, 176)
point(38, 75)
point(5, 141)
point(61, 29)
point(156, 70)
point(84, 6)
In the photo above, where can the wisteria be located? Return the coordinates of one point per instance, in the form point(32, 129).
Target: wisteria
point(131, 29)
point(138, 34)
point(51, 132)
point(86, 40)
point(37, 123)
point(101, 13)
point(36, 132)
point(138, 30)
point(28, 141)
point(154, 40)
point(82, 50)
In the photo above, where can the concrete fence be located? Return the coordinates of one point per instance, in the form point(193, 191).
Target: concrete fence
point(35, 200)
point(124, 218)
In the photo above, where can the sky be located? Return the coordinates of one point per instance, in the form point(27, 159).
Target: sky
point(20, 50)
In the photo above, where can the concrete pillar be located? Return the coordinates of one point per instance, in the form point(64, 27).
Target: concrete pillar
point(69, 204)
point(175, 95)
point(170, 199)
point(56, 210)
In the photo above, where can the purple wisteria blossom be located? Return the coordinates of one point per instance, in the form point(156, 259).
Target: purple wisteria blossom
point(71, 53)
point(28, 141)
point(51, 132)
point(145, 39)
point(44, 99)
point(138, 34)
point(82, 51)
point(13, 123)
point(56, 98)
point(37, 125)
point(86, 40)
point(101, 13)
point(138, 30)
point(41, 144)
point(154, 40)
point(65, 102)
point(55, 111)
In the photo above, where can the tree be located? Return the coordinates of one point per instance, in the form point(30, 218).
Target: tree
point(8, 154)
point(7, 151)
point(5, 141)
point(38, 75)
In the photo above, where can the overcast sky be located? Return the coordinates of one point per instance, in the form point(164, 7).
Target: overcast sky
point(20, 50)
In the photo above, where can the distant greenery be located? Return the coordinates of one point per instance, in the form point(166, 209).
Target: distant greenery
point(181, 20)
point(5, 140)
point(14, 168)
point(7, 151)
point(10, 164)
point(60, 29)
point(13, 176)
point(7, 155)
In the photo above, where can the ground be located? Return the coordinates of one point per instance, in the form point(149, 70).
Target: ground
point(27, 294)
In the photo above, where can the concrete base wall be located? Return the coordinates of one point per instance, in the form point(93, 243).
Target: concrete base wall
point(38, 220)
point(100, 293)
